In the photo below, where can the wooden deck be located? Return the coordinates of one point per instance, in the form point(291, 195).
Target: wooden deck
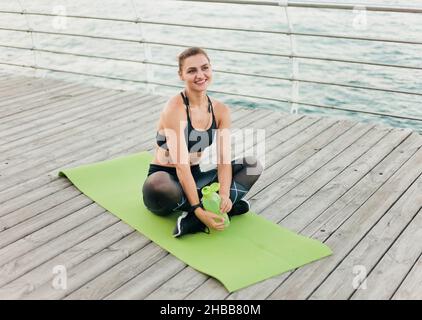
point(357, 187)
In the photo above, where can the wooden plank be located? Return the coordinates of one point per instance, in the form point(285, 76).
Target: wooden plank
point(308, 177)
point(83, 145)
point(6, 77)
point(304, 281)
point(118, 236)
point(302, 193)
point(344, 207)
point(13, 133)
point(36, 94)
point(113, 276)
point(375, 246)
point(11, 83)
point(289, 139)
point(33, 195)
point(411, 288)
point(19, 266)
point(22, 86)
point(272, 122)
point(4, 213)
point(30, 214)
point(105, 267)
point(10, 77)
point(27, 108)
point(387, 276)
point(286, 145)
point(50, 231)
point(123, 107)
point(24, 113)
point(317, 207)
point(179, 286)
point(237, 130)
point(104, 104)
point(303, 162)
point(143, 284)
point(340, 211)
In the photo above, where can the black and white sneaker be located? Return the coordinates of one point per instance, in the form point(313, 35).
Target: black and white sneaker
point(240, 207)
point(188, 223)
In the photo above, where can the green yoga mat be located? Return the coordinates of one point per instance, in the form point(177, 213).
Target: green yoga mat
point(252, 249)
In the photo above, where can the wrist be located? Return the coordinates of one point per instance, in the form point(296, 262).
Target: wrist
point(198, 211)
point(197, 208)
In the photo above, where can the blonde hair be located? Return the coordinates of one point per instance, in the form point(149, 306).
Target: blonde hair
point(193, 51)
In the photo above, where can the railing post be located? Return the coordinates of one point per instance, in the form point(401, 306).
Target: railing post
point(23, 11)
point(293, 60)
point(150, 87)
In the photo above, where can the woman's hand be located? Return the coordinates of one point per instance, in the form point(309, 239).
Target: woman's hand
point(226, 204)
point(211, 220)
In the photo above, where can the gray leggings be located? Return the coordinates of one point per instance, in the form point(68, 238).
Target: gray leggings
point(163, 194)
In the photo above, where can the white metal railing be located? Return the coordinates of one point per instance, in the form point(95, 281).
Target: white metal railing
point(294, 77)
point(322, 5)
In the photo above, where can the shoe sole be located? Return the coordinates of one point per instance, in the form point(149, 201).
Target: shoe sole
point(249, 205)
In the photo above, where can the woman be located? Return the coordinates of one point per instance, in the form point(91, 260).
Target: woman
point(187, 125)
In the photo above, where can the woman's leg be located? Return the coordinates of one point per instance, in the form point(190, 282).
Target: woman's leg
point(245, 172)
point(163, 194)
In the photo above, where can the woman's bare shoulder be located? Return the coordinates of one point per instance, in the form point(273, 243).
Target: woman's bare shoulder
point(221, 110)
point(219, 106)
point(174, 105)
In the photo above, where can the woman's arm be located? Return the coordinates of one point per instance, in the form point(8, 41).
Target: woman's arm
point(174, 125)
point(224, 157)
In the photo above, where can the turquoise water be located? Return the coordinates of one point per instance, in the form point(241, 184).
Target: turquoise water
point(387, 25)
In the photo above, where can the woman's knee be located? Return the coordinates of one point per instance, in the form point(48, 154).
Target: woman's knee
point(248, 171)
point(253, 165)
point(159, 193)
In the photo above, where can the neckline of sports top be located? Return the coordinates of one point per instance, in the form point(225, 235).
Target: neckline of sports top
point(210, 109)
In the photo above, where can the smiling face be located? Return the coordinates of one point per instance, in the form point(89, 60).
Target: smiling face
point(196, 72)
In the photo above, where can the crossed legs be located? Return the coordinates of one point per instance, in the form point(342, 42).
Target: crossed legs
point(163, 194)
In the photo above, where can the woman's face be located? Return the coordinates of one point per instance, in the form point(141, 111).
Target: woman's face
point(196, 72)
